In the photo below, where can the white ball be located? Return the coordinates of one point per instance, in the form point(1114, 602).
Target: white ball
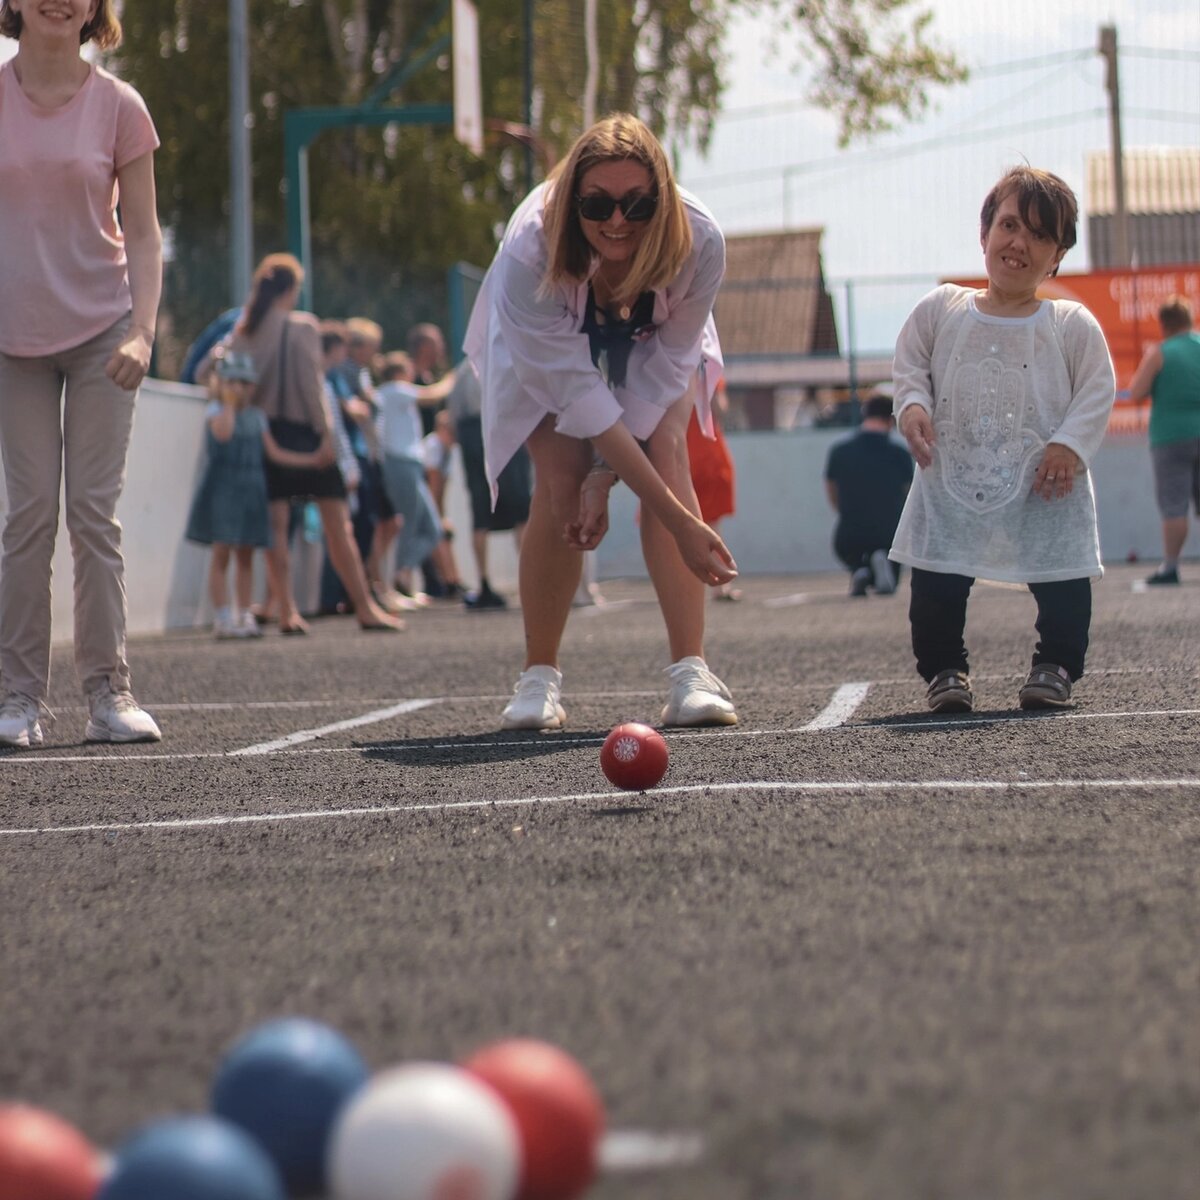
point(425, 1131)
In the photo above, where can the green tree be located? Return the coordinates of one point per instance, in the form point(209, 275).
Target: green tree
point(393, 208)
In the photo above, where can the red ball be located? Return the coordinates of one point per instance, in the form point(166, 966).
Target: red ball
point(558, 1112)
point(44, 1158)
point(634, 756)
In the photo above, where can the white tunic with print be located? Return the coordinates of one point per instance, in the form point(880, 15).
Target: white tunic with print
point(533, 358)
point(1000, 389)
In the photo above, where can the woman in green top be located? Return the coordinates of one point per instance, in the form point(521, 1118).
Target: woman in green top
point(1170, 374)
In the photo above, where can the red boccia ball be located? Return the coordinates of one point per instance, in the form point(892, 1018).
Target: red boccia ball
point(559, 1114)
point(44, 1158)
point(634, 756)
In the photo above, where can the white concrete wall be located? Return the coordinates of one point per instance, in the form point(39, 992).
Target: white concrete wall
point(783, 524)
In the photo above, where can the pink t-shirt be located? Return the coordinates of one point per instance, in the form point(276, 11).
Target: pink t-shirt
point(63, 272)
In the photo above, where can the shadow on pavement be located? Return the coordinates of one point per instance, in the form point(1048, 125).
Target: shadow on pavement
point(503, 746)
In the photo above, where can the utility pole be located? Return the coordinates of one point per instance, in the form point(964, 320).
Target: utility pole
point(241, 219)
point(527, 87)
point(1120, 218)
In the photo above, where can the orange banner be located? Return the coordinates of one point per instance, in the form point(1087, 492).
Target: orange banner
point(1126, 305)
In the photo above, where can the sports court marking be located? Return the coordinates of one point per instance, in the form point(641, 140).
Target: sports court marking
point(791, 601)
point(814, 787)
point(841, 708)
point(308, 735)
point(640, 1150)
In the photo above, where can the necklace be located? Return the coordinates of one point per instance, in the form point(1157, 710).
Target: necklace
point(608, 290)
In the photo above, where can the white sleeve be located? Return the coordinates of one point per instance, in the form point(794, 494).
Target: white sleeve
point(1093, 384)
point(550, 356)
point(912, 367)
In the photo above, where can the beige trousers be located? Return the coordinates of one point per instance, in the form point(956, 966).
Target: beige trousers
point(61, 417)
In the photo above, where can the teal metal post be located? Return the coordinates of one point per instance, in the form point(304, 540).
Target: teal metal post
point(300, 128)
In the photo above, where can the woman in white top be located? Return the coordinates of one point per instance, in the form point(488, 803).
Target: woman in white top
point(593, 339)
point(1004, 399)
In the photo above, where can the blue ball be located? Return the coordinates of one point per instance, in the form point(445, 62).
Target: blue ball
point(191, 1158)
point(285, 1083)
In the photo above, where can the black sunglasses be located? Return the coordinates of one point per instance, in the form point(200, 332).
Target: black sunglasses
point(634, 206)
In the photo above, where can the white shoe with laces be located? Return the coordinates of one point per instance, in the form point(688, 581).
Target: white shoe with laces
point(536, 702)
point(697, 696)
point(19, 721)
point(247, 626)
point(117, 717)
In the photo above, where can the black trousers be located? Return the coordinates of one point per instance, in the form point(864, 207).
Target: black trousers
point(937, 613)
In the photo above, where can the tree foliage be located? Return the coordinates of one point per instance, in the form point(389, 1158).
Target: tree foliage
point(392, 209)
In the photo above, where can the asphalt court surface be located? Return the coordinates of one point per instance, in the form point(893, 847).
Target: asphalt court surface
point(846, 949)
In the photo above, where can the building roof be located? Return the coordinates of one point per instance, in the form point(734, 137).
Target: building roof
point(1157, 180)
point(773, 301)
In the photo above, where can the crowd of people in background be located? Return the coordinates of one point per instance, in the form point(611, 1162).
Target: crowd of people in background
point(314, 416)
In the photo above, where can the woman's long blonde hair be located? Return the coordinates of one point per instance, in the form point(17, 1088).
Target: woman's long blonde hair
point(668, 239)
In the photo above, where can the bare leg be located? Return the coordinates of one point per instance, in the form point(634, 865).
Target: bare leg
point(218, 567)
point(244, 576)
point(548, 567)
point(386, 531)
point(343, 554)
point(680, 593)
point(280, 568)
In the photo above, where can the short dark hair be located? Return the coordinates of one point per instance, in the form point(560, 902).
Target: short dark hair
point(1175, 315)
point(1047, 205)
point(877, 407)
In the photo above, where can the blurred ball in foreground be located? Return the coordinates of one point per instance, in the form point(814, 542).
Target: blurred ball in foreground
point(192, 1158)
point(44, 1158)
point(284, 1083)
point(558, 1112)
point(425, 1131)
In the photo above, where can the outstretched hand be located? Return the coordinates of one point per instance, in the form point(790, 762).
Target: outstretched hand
point(705, 554)
point(916, 426)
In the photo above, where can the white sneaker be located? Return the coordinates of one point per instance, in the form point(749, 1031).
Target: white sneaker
point(225, 625)
point(536, 701)
point(697, 696)
point(247, 626)
point(19, 723)
point(883, 573)
point(117, 717)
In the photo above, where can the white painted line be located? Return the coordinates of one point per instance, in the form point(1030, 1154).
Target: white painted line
point(787, 601)
point(841, 708)
point(641, 1150)
point(761, 785)
point(609, 606)
point(308, 735)
point(970, 720)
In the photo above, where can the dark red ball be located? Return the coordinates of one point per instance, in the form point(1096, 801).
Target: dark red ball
point(634, 756)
